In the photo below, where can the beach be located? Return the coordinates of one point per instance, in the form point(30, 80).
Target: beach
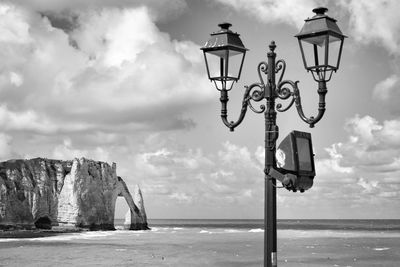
point(208, 243)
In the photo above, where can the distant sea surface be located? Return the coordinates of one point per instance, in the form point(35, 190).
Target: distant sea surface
point(214, 243)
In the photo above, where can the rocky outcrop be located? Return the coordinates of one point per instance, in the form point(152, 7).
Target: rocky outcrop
point(43, 193)
point(136, 220)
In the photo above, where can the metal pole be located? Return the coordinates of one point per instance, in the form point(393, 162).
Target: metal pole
point(271, 134)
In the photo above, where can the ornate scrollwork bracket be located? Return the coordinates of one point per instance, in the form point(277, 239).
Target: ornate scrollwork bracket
point(287, 88)
point(284, 90)
point(254, 92)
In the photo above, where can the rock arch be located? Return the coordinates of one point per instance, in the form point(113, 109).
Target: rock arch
point(135, 218)
point(79, 192)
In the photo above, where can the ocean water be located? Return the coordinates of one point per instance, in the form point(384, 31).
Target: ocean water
point(214, 243)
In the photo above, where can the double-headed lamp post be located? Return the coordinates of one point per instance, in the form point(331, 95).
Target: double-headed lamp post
point(321, 43)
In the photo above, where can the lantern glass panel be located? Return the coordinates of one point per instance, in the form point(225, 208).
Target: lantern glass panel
point(216, 64)
point(314, 51)
point(223, 84)
point(224, 67)
point(308, 54)
point(235, 64)
point(334, 51)
point(322, 50)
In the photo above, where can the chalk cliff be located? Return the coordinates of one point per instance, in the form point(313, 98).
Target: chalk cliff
point(43, 193)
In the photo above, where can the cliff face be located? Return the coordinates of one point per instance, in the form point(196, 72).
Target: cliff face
point(42, 193)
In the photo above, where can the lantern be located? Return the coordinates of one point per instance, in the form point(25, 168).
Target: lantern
point(321, 43)
point(224, 55)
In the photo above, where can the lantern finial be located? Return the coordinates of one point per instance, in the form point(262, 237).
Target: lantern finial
point(225, 26)
point(320, 11)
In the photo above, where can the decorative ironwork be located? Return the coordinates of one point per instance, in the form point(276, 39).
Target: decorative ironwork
point(283, 90)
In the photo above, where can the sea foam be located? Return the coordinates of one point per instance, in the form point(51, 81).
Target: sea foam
point(381, 249)
point(258, 230)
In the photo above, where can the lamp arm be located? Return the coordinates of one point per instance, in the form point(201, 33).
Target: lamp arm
point(321, 107)
point(287, 88)
point(224, 110)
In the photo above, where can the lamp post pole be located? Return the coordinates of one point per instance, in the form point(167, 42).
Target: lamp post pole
point(271, 134)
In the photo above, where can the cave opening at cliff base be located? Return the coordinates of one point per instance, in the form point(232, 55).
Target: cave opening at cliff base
point(43, 223)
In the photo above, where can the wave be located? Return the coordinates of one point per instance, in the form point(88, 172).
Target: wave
point(336, 234)
point(282, 233)
point(64, 237)
point(329, 224)
point(381, 249)
point(258, 230)
point(233, 231)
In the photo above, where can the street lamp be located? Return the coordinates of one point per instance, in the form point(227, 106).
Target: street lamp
point(321, 43)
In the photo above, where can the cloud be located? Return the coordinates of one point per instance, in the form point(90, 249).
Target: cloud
point(189, 176)
point(66, 151)
point(332, 164)
point(356, 178)
point(5, 146)
point(368, 161)
point(160, 9)
point(368, 133)
point(31, 121)
point(370, 22)
point(181, 197)
point(368, 186)
point(386, 88)
point(112, 71)
point(357, 174)
point(387, 93)
point(270, 11)
point(375, 22)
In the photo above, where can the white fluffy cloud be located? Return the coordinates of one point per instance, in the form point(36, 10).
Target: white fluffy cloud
point(372, 149)
point(193, 179)
point(365, 168)
point(357, 174)
point(66, 151)
point(369, 21)
point(375, 22)
point(357, 177)
point(159, 9)
point(270, 11)
point(114, 70)
point(378, 23)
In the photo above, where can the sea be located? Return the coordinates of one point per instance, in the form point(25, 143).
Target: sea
point(213, 243)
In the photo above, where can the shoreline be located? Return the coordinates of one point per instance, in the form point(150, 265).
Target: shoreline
point(35, 233)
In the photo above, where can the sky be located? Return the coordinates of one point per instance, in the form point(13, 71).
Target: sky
point(124, 81)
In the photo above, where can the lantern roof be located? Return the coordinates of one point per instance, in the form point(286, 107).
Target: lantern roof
point(320, 23)
point(224, 39)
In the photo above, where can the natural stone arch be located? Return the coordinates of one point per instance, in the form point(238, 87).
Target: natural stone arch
point(135, 218)
point(78, 193)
